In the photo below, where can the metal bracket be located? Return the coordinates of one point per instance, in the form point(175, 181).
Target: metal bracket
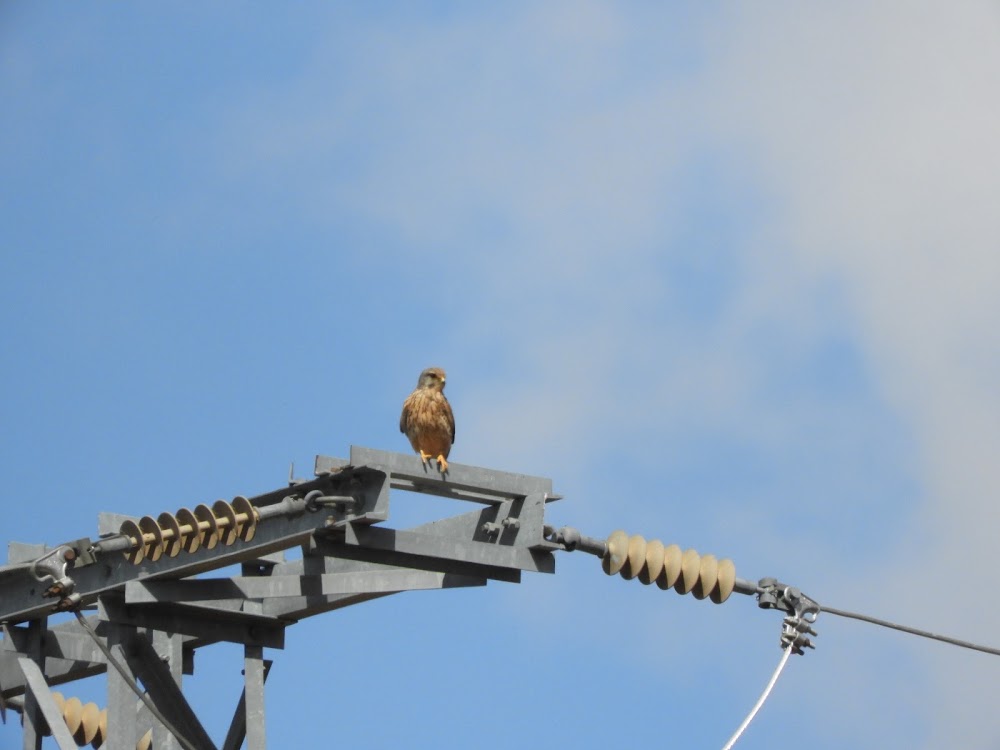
point(52, 567)
point(802, 612)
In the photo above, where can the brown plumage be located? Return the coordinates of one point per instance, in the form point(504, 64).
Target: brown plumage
point(427, 419)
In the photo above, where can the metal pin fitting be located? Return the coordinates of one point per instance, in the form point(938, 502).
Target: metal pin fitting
point(68, 603)
point(571, 539)
point(316, 500)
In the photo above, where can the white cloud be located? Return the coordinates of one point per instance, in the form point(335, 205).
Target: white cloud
point(875, 127)
point(564, 144)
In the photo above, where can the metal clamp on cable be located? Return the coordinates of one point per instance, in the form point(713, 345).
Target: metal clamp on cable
point(52, 567)
point(802, 612)
point(793, 634)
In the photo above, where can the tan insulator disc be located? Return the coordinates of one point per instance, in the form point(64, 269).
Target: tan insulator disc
point(153, 538)
point(73, 713)
point(246, 518)
point(690, 568)
point(171, 534)
point(707, 577)
point(226, 518)
point(727, 582)
point(671, 567)
point(90, 723)
point(102, 730)
point(146, 741)
point(208, 528)
point(190, 536)
point(131, 529)
point(654, 562)
point(636, 558)
point(615, 557)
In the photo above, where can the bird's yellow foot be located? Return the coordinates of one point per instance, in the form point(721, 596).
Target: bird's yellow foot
point(442, 464)
point(425, 457)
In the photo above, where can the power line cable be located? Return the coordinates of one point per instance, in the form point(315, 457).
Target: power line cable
point(908, 629)
point(760, 701)
point(856, 616)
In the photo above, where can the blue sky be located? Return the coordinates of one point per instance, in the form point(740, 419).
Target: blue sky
point(726, 275)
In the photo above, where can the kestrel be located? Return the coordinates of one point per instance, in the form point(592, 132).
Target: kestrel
point(427, 419)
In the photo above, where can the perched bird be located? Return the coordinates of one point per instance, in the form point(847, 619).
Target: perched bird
point(427, 419)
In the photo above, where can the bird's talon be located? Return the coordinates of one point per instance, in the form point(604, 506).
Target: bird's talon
point(442, 464)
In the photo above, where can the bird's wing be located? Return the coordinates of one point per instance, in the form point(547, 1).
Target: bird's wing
point(449, 415)
point(404, 417)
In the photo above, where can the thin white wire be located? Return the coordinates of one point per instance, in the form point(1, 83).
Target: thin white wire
point(760, 701)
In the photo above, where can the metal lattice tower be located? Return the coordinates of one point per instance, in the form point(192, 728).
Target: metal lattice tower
point(152, 612)
point(151, 606)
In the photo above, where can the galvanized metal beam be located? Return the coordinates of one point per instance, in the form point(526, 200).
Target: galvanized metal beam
point(207, 623)
point(410, 549)
point(211, 591)
point(238, 727)
point(38, 709)
point(57, 672)
point(69, 655)
point(201, 628)
point(169, 648)
point(461, 482)
point(123, 729)
point(253, 693)
point(346, 561)
point(42, 697)
point(166, 694)
point(59, 643)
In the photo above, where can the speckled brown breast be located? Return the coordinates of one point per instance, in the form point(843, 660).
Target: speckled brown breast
point(428, 422)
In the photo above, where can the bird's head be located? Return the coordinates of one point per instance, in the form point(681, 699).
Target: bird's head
point(432, 377)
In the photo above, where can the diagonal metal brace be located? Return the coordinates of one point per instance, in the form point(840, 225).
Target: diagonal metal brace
point(164, 690)
point(238, 727)
point(35, 681)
